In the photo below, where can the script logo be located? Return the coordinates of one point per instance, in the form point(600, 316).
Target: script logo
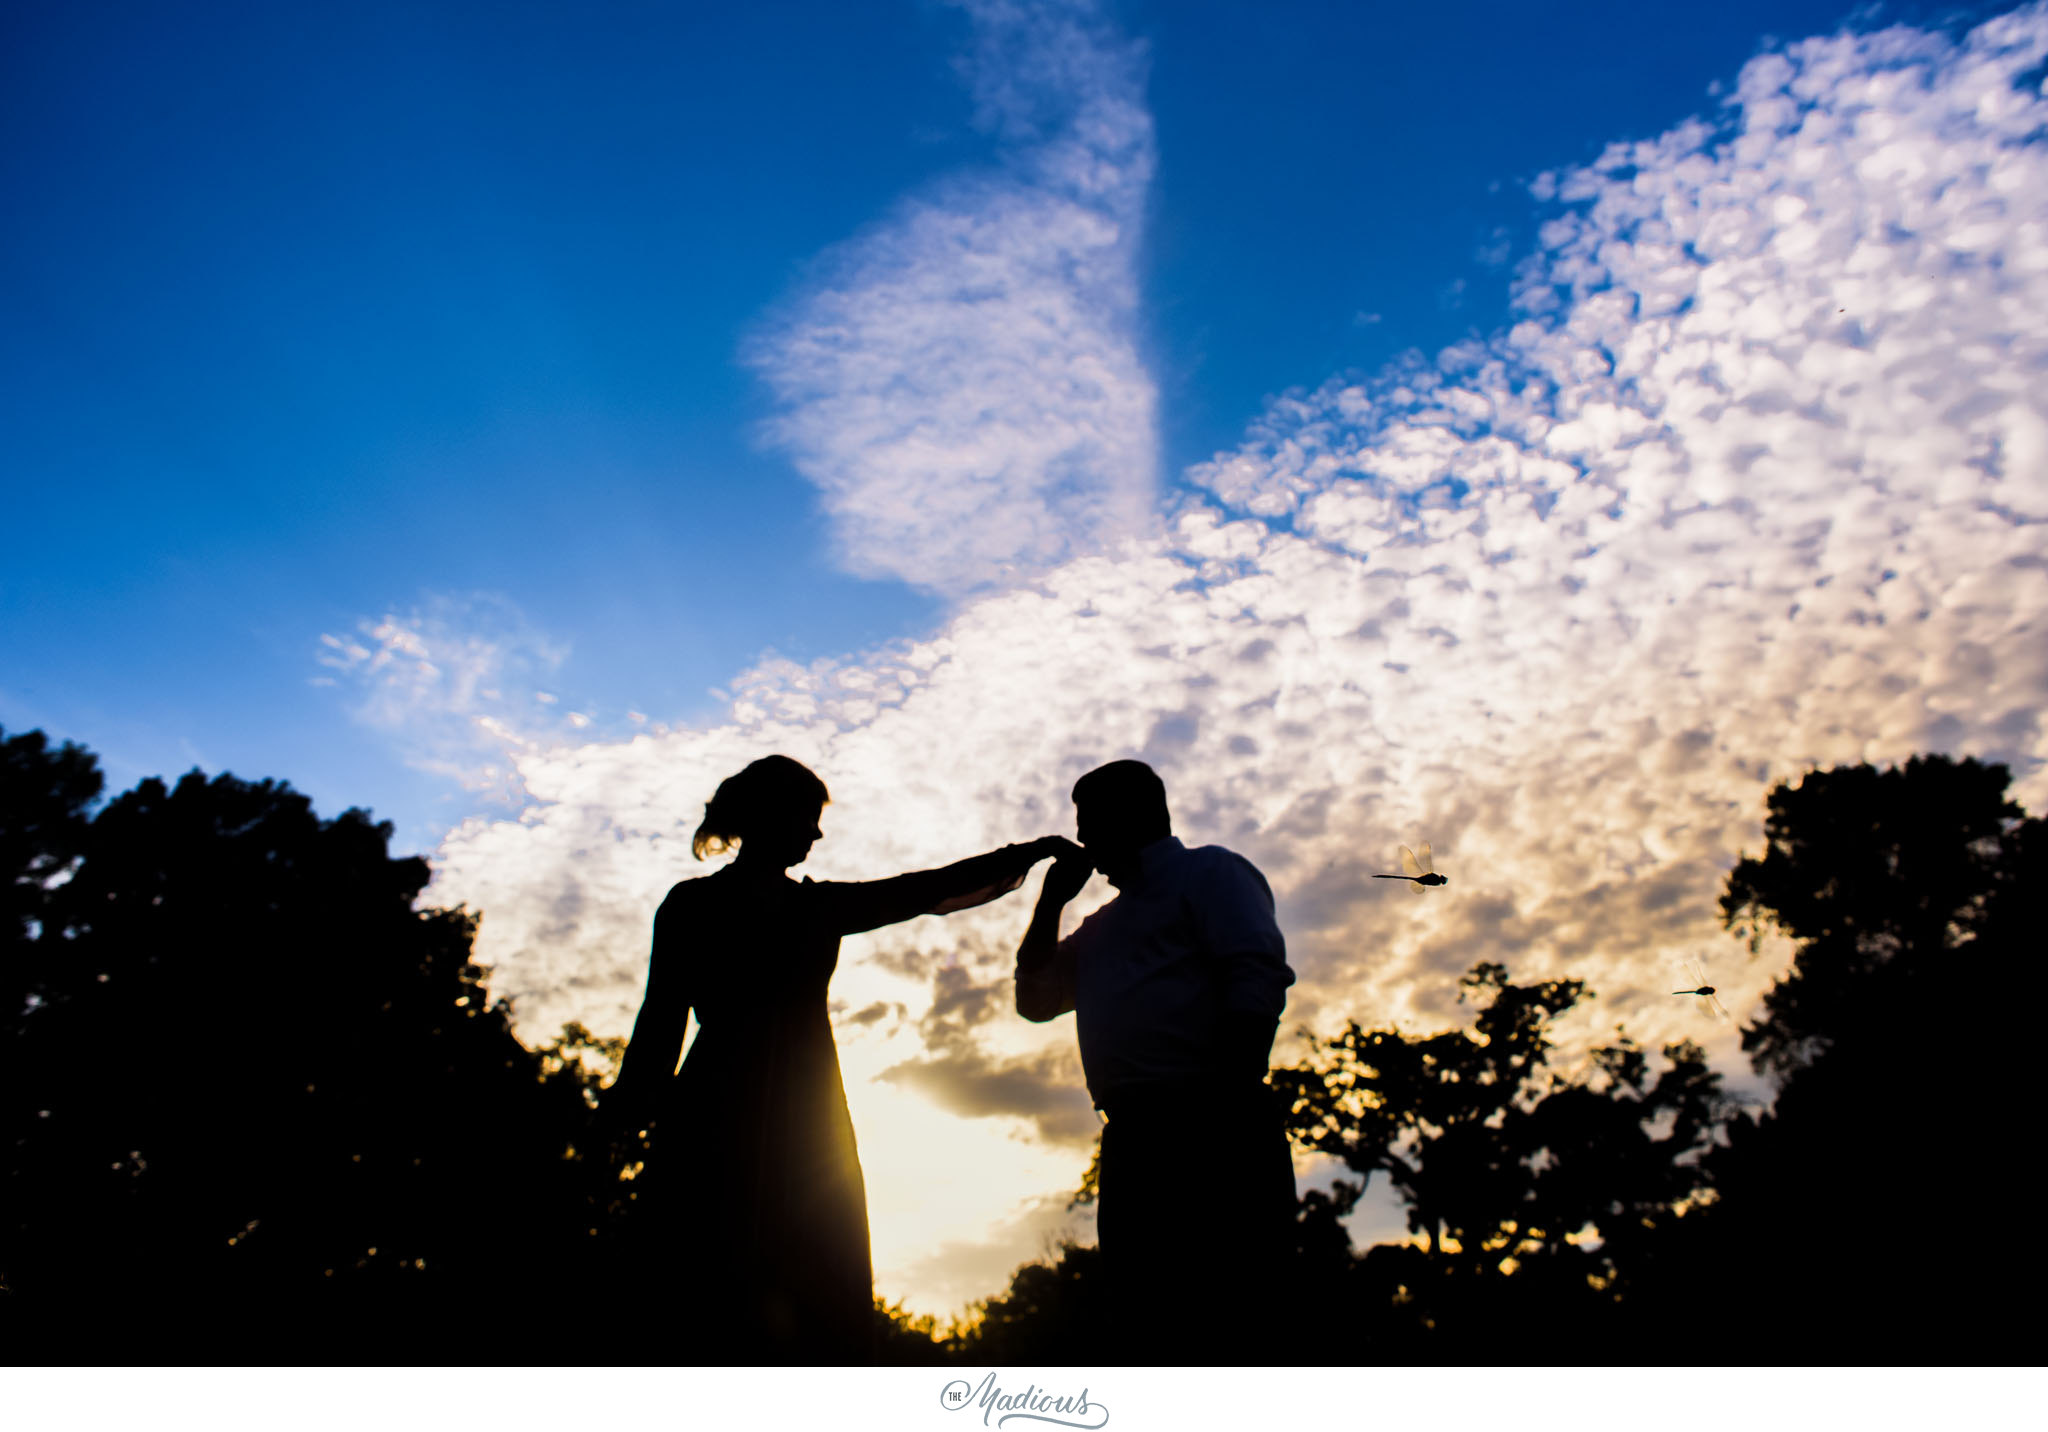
point(1033, 1404)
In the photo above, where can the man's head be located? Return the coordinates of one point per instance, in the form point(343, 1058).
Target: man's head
point(1119, 809)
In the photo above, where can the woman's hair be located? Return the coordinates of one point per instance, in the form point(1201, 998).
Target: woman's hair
point(771, 786)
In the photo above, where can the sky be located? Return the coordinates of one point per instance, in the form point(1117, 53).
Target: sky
point(1535, 430)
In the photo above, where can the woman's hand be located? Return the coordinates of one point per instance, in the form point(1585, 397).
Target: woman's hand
point(1055, 847)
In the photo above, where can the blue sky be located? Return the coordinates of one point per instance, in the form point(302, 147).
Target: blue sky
point(315, 311)
point(1534, 430)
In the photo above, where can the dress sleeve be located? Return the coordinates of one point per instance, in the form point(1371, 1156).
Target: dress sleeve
point(850, 906)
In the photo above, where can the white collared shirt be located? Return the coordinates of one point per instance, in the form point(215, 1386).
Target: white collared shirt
point(1150, 975)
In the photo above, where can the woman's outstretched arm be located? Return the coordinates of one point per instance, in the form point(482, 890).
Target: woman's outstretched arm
point(856, 905)
point(657, 1041)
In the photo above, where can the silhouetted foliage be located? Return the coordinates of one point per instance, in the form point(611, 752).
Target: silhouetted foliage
point(907, 1339)
point(1532, 1191)
point(1052, 1313)
point(1885, 880)
point(256, 1106)
point(1875, 1193)
point(44, 799)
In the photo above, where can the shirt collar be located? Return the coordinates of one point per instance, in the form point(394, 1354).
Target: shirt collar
point(1152, 858)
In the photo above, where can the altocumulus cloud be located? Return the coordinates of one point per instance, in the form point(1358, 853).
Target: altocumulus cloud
point(1756, 482)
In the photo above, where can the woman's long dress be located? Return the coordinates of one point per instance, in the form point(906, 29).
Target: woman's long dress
point(764, 1228)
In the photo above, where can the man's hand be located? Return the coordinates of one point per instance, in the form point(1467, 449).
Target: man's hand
point(1068, 873)
point(1042, 993)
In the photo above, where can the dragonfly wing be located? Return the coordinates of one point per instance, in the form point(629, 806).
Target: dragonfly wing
point(1409, 864)
point(1428, 864)
point(1720, 1009)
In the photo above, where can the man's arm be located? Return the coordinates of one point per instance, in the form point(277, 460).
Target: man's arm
point(1243, 937)
point(1045, 969)
point(1247, 1045)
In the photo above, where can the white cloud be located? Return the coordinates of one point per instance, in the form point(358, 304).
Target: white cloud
point(962, 382)
point(452, 682)
point(1758, 483)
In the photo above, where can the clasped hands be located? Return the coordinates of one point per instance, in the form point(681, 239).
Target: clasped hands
point(1071, 866)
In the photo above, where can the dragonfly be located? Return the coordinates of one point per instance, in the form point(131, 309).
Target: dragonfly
point(1420, 869)
point(1704, 990)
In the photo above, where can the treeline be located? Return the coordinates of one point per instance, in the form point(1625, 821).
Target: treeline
point(257, 1107)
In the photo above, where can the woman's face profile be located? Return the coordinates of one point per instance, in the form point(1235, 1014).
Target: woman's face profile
point(783, 838)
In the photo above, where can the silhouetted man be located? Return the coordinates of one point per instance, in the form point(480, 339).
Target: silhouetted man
point(1177, 986)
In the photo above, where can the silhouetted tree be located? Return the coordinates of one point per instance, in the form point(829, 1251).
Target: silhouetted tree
point(1050, 1314)
point(907, 1339)
point(44, 799)
point(1534, 1193)
point(1879, 1194)
point(1887, 882)
point(256, 1105)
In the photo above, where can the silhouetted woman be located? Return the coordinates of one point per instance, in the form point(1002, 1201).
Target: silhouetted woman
point(761, 1248)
